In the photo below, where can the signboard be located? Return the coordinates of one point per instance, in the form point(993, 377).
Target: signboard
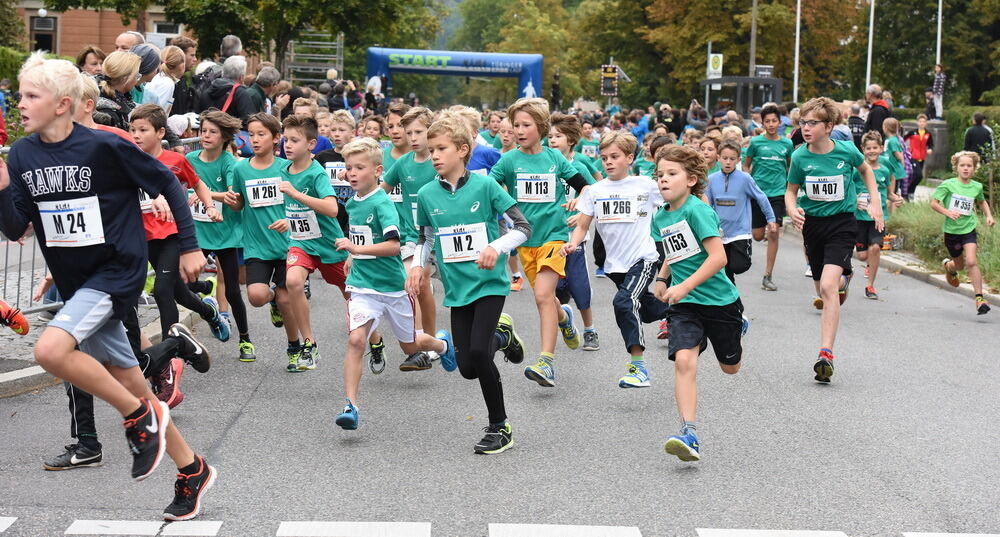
point(160, 40)
point(714, 69)
point(609, 80)
point(765, 71)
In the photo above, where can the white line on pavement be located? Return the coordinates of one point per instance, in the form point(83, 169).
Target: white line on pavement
point(354, 529)
point(193, 528)
point(550, 530)
point(919, 534)
point(5, 522)
point(114, 527)
point(21, 373)
point(767, 533)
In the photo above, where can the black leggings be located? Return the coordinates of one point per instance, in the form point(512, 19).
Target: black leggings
point(600, 254)
point(169, 289)
point(473, 327)
point(229, 262)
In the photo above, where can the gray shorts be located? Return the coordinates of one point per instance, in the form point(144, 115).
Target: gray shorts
point(87, 317)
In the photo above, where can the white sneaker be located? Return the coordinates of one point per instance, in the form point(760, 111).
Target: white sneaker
point(809, 271)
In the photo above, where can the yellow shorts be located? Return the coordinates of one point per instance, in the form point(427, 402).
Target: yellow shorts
point(534, 259)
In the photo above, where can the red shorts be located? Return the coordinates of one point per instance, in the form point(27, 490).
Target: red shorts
point(333, 273)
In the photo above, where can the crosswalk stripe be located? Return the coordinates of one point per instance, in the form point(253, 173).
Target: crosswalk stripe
point(114, 527)
point(920, 534)
point(193, 528)
point(551, 530)
point(6, 522)
point(354, 529)
point(702, 532)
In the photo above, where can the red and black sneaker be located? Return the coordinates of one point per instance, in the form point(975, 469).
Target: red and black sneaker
point(188, 490)
point(664, 330)
point(12, 317)
point(824, 366)
point(168, 383)
point(147, 437)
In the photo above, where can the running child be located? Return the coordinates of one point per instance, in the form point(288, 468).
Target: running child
point(483, 156)
point(730, 192)
point(532, 174)
point(490, 136)
point(470, 251)
point(341, 132)
point(97, 260)
point(704, 305)
point(255, 193)
point(644, 164)
point(623, 207)
point(956, 199)
point(377, 278)
point(709, 147)
point(869, 240)
point(767, 161)
point(825, 214)
point(508, 142)
point(373, 127)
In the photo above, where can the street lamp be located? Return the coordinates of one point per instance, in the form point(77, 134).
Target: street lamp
point(871, 35)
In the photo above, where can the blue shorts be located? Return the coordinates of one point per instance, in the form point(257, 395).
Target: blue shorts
point(87, 317)
point(577, 281)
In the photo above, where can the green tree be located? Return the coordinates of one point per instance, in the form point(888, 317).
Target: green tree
point(11, 26)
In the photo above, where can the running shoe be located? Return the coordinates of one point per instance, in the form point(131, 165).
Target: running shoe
point(75, 456)
point(823, 367)
point(684, 446)
point(499, 438)
point(293, 359)
point(12, 317)
point(219, 326)
point(213, 284)
point(348, 419)
point(376, 357)
point(188, 490)
point(952, 277)
point(982, 307)
point(248, 351)
point(809, 271)
point(637, 377)
point(189, 349)
point(147, 437)
point(845, 281)
point(516, 283)
point(818, 302)
point(513, 352)
point(599, 272)
point(570, 335)
point(210, 265)
point(168, 383)
point(309, 356)
point(448, 360)
point(418, 361)
point(870, 293)
point(663, 332)
point(744, 326)
point(542, 372)
point(591, 341)
point(768, 285)
point(277, 319)
point(228, 317)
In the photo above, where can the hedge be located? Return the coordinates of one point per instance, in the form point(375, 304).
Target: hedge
point(10, 63)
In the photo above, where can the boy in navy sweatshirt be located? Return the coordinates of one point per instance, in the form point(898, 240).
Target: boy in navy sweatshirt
point(73, 185)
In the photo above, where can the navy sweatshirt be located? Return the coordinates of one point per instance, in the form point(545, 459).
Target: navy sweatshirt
point(64, 186)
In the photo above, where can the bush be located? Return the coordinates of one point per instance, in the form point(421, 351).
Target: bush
point(10, 63)
point(959, 119)
point(920, 227)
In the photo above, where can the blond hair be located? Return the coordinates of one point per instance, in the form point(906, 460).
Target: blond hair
point(823, 108)
point(119, 66)
point(958, 156)
point(363, 146)
point(342, 116)
point(308, 103)
point(732, 131)
point(60, 77)
point(689, 159)
point(622, 140)
point(469, 116)
point(890, 126)
point(417, 113)
point(172, 58)
point(88, 89)
point(455, 129)
point(537, 109)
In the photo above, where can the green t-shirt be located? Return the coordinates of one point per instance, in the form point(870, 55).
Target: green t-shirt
point(581, 165)
point(644, 167)
point(373, 220)
point(465, 222)
point(883, 175)
point(892, 146)
point(715, 168)
point(492, 140)
point(217, 175)
point(826, 179)
point(310, 231)
point(396, 194)
point(962, 197)
point(683, 233)
point(769, 161)
point(261, 210)
point(533, 180)
point(410, 176)
point(590, 148)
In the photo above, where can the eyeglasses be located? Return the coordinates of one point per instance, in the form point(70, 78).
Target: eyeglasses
point(811, 123)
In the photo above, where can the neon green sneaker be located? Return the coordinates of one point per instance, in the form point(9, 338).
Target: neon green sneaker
point(248, 352)
point(293, 359)
point(214, 283)
point(571, 336)
point(542, 372)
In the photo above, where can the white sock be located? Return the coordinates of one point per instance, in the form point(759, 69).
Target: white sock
point(517, 274)
point(419, 331)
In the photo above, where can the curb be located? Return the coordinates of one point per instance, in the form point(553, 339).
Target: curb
point(33, 377)
point(894, 262)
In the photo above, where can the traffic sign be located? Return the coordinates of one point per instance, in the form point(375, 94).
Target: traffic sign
point(609, 80)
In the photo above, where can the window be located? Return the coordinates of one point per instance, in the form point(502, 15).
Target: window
point(43, 33)
point(164, 27)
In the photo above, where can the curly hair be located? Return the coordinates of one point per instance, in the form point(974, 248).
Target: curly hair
point(958, 156)
point(689, 159)
point(871, 136)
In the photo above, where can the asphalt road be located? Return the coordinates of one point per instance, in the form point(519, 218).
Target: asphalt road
point(904, 440)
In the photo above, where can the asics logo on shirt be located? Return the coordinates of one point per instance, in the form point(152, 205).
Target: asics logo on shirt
point(218, 179)
point(474, 208)
point(53, 179)
point(370, 218)
point(840, 165)
point(552, 168)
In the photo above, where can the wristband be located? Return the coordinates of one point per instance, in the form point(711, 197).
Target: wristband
point(663, 280)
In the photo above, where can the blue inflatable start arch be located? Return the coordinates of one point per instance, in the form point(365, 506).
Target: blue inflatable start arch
point(382, 62)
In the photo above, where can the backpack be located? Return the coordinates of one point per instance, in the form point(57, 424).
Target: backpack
point(200, 85)
point(907, 158)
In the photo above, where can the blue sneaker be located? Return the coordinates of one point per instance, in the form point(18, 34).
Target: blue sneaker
point(684, 446)
point(637, 377)
point(745, 327)
point(348, 419)
point(542, 373)
point(448, 360)
point(570, 335)
point(599, 272)
point(219, 326)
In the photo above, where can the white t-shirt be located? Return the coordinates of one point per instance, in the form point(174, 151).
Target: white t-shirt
point(160, 91)
point(623, 211)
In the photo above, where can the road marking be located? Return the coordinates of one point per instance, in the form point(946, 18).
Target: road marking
point(354, 529)
point(767, 533)
point(21, 373)
point(114, 527)
point(196, 528)
point(919, 534)
point(5, 522)
point(551, 530)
